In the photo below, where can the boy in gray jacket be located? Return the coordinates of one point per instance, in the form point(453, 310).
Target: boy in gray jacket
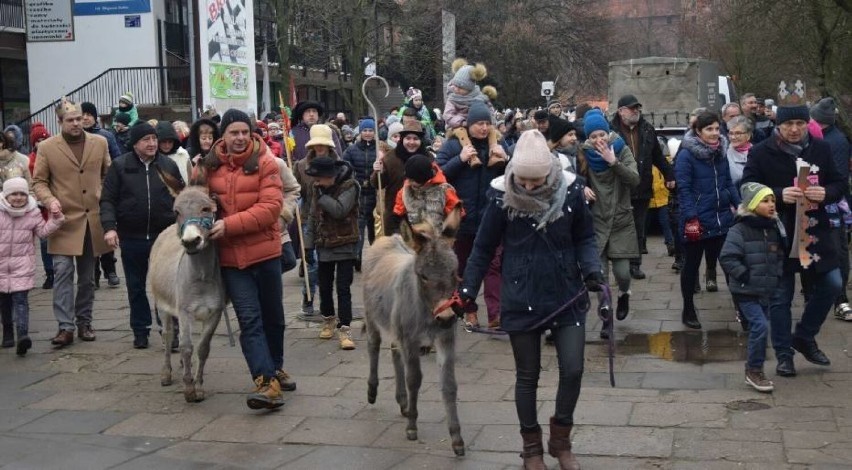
point(753, 259)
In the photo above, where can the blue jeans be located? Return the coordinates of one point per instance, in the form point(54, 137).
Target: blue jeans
point(756, 314)
point(288, 257)
point(134, 258)
point(18, 303)
point(824, 288)
point(256, 295)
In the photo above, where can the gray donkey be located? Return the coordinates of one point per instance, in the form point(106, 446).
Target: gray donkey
point(186, 284)
point(405, 278)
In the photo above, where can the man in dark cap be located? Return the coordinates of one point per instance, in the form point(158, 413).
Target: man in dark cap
point(773, 163)
point(249, 243)
point(541, 121)
point(121, 127)
point(640, 136)
point(134, 227)
point(305, 115)
point(90, 124)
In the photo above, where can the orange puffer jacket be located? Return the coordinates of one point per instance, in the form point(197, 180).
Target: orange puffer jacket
point(249, 194)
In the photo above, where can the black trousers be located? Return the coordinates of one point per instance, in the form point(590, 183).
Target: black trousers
point(710, 248)
point(570, 343)
point(106, 262)
point(345, 271)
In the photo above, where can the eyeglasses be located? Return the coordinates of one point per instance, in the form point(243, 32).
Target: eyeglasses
point(736, 133)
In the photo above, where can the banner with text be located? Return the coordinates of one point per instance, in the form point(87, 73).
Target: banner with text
point(227, 62)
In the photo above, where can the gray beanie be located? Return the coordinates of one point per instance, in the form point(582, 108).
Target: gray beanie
point(825, 111)
point(478, 112)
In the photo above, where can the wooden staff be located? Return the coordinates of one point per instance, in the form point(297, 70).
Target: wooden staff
point(380, 199)
point(308, 294)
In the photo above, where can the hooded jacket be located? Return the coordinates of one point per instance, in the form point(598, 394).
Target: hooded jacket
point(17, 265)
point(194, 142)
point(165, 131)
point(112, 145)
point(248, 193)
point(753, 255)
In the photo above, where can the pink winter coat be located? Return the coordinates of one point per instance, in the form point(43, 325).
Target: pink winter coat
point(18, 227)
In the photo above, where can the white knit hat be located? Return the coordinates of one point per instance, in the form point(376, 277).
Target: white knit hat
point(15, 185)
point(532, 158)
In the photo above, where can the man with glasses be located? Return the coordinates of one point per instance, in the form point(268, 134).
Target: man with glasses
point(773, 163)
point(749, 106)
point(640, 136)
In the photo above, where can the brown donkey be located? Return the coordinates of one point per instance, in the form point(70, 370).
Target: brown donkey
point(404, 279)
point(186, 283)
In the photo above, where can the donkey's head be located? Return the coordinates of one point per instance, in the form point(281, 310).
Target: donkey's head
point(436, 264)
point(195, 213)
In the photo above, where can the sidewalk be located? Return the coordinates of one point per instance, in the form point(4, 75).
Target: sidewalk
point(680, 401)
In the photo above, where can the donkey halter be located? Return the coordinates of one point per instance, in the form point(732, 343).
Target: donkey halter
point(205, 222)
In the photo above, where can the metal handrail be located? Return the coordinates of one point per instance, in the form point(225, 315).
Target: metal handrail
point(149, 85)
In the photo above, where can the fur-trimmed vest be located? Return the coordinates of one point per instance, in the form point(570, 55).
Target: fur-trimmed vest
point(332, 232)
point(426, 203)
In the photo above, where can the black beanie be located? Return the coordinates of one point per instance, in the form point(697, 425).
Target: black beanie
point(418, 168)
point(231, 116)
point(89, 108)
point(139, 130)
point(122, 118)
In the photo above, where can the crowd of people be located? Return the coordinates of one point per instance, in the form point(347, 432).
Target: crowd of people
point(551, 201)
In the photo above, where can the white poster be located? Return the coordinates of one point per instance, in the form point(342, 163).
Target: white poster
point(227, 62)
point(49, 20)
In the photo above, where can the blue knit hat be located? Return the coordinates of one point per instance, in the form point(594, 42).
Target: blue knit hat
point(367, 123)
point(594, 120)
point(790, 113)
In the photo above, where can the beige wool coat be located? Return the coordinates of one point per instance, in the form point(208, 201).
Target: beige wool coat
point(77, 186)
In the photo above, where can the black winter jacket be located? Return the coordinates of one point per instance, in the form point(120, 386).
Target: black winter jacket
point(542, 269)
point(135, 201)
point(361, 155)
point(647, 153)
point(770, 166)
point(753, 256)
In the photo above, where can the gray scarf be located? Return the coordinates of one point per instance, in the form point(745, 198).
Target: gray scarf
point(794, 150)
point(468, 99)
point(544, 204)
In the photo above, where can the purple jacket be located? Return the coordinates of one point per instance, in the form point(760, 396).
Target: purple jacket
point(302, 134)
point(17, 251)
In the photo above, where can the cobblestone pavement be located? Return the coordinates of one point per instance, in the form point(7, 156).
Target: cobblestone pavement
point(681, 401)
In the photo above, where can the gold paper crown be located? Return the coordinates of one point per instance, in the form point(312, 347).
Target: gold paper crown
point(66, 106)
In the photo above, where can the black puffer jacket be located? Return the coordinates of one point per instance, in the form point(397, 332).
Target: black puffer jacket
point(135, 201)
point(647, 152)
point(753, 255)
point(361, 155)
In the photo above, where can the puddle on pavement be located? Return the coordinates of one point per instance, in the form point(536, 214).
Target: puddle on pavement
point(695, 347)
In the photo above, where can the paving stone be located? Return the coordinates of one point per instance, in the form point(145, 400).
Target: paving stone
point(12, 400)
point(431, 437)
point(623, 441)
point(683, 380)
point(18, 380)
point(79, 381)
point(712, 396)
point(79, 401)
point(160, 425)
point(167, 400)
point(243, 455)
point(677, 414)
point(147, 462)
point(833, 454)
point(386, 409)
point(738, 451)
point(251, 428)
point(350, 458)
point(32, 452)
point(431, 461)
point(324, 406)
point(794, 418)
point(11, 419)
point(73, 422)
point(599, 412)
point(815, 439)
point(487, 413)
point(339, 432)
point(325, 386)
point(470, 392)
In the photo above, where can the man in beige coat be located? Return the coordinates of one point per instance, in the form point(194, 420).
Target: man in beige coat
point(69, 170)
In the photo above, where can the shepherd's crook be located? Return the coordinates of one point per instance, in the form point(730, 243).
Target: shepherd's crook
point(381, 202)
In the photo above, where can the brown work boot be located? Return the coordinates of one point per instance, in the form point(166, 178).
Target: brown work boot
point(533, 453)
point(285, 381)
point(559, 445)
point(86, 333)
point(267, 395)
point(344, 335)
point(328, 326)
point(63, 338)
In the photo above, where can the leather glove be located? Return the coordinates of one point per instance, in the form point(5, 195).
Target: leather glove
point(692, 230)
point(594, 281)
point(309, 256)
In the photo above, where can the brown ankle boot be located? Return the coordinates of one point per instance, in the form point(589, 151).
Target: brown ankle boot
point(559, 445)
point(533, 450)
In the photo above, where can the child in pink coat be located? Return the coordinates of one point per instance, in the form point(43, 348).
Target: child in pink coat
point(20, 221)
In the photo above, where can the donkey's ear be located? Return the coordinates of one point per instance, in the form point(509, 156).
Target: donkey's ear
point(415, 236)
point(451, 223)
point(198, 176)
